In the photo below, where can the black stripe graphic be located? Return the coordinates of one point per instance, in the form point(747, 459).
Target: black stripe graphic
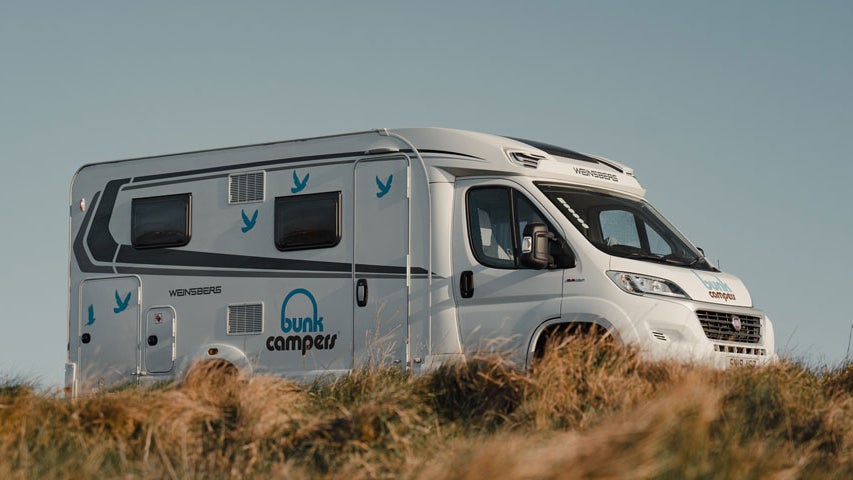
point(103, 247)
point(101, 242)
point(80, 252)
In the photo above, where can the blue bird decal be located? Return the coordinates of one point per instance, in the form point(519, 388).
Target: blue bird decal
point(91, 315)
point(248, 224)
point(384, 188)
point(121, 305)
point(299, 185)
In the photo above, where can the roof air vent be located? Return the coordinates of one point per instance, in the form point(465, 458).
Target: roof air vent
point(525, 159)
point(246, 187)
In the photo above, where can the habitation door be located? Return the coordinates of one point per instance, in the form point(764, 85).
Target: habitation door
point(381, 283)
point(109, 330)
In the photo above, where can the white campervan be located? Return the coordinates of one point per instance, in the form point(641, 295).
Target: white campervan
point(409, 247)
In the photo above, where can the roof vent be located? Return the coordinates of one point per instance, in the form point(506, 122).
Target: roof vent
point(525, 159)
point(245, 319)
point(246, 187)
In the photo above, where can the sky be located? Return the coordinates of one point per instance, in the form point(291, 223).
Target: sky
point(737, 116)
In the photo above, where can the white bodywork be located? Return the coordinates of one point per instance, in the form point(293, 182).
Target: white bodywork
point(404, 247)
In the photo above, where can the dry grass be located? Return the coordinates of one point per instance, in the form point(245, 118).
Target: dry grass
point(588, 410)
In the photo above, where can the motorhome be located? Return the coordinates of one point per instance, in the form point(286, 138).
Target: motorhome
point(409, 247)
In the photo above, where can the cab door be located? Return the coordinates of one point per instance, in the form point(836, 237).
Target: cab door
point(500, 303)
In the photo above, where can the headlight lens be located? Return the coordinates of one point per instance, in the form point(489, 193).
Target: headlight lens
point(644, 284)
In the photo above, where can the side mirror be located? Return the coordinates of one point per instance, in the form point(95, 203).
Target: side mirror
point(534, 246)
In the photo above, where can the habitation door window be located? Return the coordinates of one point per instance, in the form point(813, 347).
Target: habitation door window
point(308, 221)
point(161, 221)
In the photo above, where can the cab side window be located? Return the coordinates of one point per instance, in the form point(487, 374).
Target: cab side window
point(496, 220)
point(490, 226)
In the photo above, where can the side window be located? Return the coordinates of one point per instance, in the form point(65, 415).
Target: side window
point(158, 222)
point(496, 220)
point(308, 221)
point(490, 226)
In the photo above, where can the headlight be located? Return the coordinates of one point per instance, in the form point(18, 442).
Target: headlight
point(644, 284)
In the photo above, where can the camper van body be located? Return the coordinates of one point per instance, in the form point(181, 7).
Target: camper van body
point(404, 247)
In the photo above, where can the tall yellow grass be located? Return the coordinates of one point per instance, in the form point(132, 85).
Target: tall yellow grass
point(587, 410)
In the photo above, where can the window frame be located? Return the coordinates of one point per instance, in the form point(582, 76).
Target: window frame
point(336, 195)
point(188, 209)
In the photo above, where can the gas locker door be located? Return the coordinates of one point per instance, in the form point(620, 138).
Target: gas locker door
point(159, 340)
point(381, 216)
point(109, 331)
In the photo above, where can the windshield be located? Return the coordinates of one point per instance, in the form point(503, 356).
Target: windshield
point(624, 227)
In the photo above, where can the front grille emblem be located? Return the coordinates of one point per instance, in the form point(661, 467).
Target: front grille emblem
point(736, 323)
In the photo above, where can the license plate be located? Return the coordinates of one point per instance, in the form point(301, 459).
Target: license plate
point(742, 362)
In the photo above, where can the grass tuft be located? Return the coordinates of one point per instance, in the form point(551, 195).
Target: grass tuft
point(588, 409)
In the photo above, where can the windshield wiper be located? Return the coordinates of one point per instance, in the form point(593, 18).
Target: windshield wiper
point(647, 256)
point(656, 258)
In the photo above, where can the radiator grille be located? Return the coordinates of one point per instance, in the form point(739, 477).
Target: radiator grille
point(246, 187)
point(723, 326)
point(245, 319)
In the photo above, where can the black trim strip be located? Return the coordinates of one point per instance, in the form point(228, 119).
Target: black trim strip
point(246, 165)
point(445, 152)
point(79, 251)
point(184, 258)
point(323, 164)
point(227, 273)
point(285, 161)
point(172, 182)
point(245, 274)
point(363, 268)
point(287, 167)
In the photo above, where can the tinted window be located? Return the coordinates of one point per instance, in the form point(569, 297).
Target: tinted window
point(308, 221)
point(161, 221)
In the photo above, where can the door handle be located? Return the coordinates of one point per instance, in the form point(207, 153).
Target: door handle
point(361, 292)
point(466, 284)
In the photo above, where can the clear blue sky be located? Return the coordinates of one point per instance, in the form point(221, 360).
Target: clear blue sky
point(736, 115)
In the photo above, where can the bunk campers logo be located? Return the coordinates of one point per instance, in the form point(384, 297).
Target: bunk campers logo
point(302, 325)
point(717, 289)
